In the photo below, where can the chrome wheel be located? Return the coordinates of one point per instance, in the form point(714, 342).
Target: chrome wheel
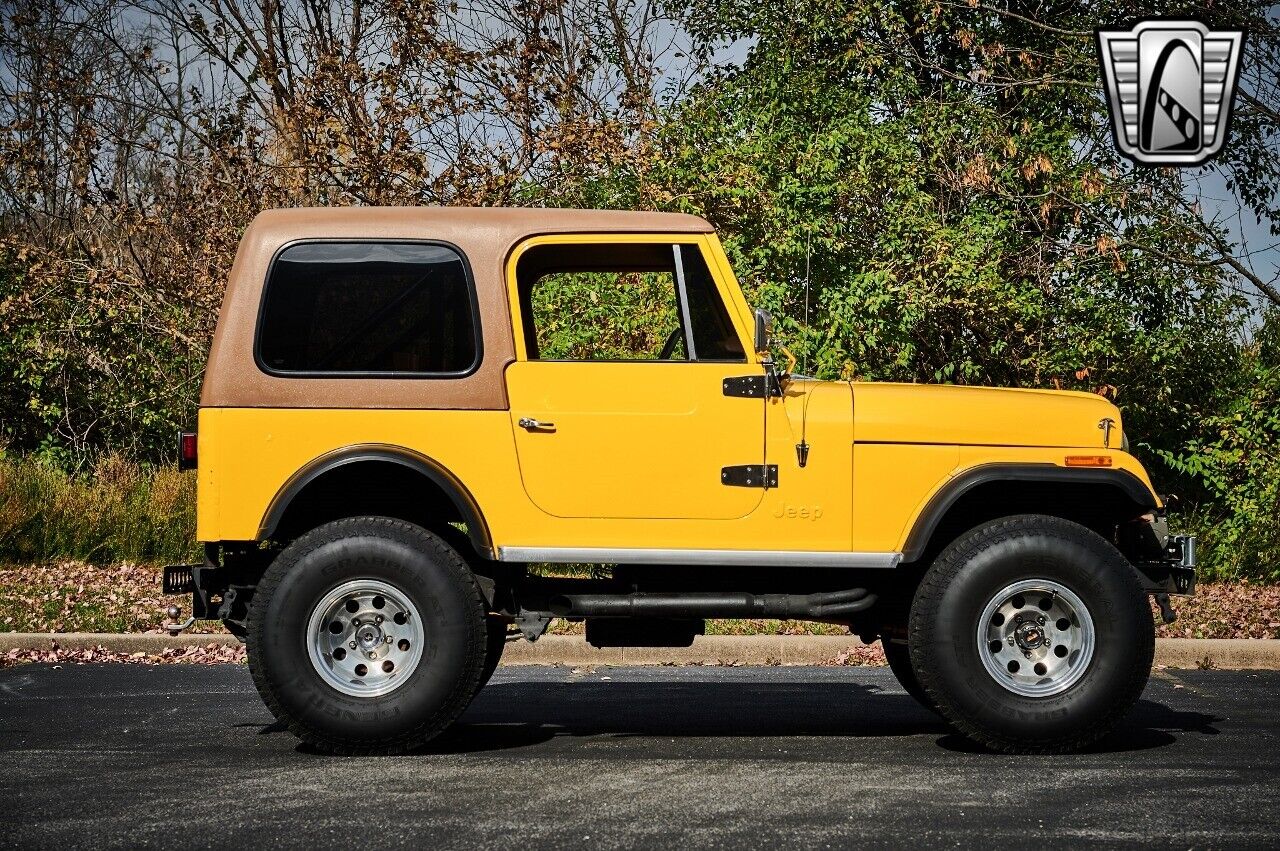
point(365, 638)
point(1036, 638)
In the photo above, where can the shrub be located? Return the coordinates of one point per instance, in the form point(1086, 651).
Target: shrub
point(1236, 462)
point(115, 510)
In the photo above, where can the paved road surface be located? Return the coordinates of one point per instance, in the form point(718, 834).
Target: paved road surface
point(186, 756)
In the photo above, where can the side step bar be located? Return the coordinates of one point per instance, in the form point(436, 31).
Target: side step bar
point(832, 605)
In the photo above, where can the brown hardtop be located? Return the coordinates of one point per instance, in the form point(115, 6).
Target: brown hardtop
point(483, 235)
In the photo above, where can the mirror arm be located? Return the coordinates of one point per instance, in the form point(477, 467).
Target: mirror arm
point(780, 378)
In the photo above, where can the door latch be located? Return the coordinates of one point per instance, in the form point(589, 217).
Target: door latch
point(535, 425)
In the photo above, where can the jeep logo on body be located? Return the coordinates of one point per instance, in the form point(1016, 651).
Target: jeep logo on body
point(1169, 88)
point(798, 512)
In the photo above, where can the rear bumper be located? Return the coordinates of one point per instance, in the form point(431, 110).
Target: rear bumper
point(220, 588)
point(206, 587)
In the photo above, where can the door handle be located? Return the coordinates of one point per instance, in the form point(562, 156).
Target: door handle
point(535, 425)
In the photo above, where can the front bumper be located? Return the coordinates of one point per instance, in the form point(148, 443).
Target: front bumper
point(1166, 563)
point(1181, 562)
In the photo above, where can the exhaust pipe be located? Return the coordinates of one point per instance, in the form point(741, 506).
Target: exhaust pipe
point(831, 605)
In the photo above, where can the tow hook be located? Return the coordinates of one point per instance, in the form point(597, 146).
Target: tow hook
point(174, 628)
point(1167, 614)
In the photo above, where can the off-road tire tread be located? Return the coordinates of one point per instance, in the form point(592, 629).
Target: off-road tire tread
point(495, 644)
point(464, 689)
point(953, 559)
point(899, 659)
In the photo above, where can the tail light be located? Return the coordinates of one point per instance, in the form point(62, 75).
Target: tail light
point(186, 450)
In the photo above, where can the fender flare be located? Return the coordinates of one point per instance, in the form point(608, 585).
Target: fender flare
point(434, 471)
point(940, 503)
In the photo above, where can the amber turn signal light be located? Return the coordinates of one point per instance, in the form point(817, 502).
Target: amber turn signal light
point(1088, 460)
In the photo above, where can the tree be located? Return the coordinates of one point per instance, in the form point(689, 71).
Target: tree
point(139, 137)
point(945, 175)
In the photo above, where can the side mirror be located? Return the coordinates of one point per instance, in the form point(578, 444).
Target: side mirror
point(764, 329)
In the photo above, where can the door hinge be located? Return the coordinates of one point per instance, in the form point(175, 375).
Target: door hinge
point(752, 386)
point(750, 476)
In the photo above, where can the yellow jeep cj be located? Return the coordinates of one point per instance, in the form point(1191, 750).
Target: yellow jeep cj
point(408, 414)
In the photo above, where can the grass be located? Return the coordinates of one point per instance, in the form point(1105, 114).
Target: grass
point(116, 510)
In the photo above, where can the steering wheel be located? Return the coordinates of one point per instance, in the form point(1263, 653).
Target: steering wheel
point(669, 347)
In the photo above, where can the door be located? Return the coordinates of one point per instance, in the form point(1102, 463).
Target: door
point(617, 399)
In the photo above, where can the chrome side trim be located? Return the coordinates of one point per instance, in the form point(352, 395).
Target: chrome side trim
point(744, 558)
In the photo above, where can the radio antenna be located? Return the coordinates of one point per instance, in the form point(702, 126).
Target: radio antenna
point(808, 253)
point(802, 448)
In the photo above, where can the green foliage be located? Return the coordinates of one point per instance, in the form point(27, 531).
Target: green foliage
point(1237, 462)
point(601, 316)
point(91, 359)
point(951, 232)
point(117, 510)
point(942, 177)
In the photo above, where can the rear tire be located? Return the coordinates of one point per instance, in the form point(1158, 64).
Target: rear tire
point(1031, 634)
point(495, 627)
point(366, 636)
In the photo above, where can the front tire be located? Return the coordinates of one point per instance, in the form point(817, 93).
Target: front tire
point(1031, 634)
point(496, 642)
point(367, 635)
point(898, 655)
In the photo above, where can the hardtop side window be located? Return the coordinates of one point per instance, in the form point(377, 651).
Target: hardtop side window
point(622, 302)
point(375, 308)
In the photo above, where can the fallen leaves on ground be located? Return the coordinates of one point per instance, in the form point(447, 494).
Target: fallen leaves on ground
point(859, 655)
point(728, 626)
point(1225, 610)
point(73, 596)
point(207, 654)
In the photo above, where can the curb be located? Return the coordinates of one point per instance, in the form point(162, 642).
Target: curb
point(1228, 654)
point(1221, 653)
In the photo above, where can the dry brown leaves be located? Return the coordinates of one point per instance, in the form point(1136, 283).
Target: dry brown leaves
point(860, 655)
point(74, 596)
point(208, 654)
point(1226, 610)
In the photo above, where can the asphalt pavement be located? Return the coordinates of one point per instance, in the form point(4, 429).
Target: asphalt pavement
point(187, 756)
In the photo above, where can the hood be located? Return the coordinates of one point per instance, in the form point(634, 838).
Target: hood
point(981, 416)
